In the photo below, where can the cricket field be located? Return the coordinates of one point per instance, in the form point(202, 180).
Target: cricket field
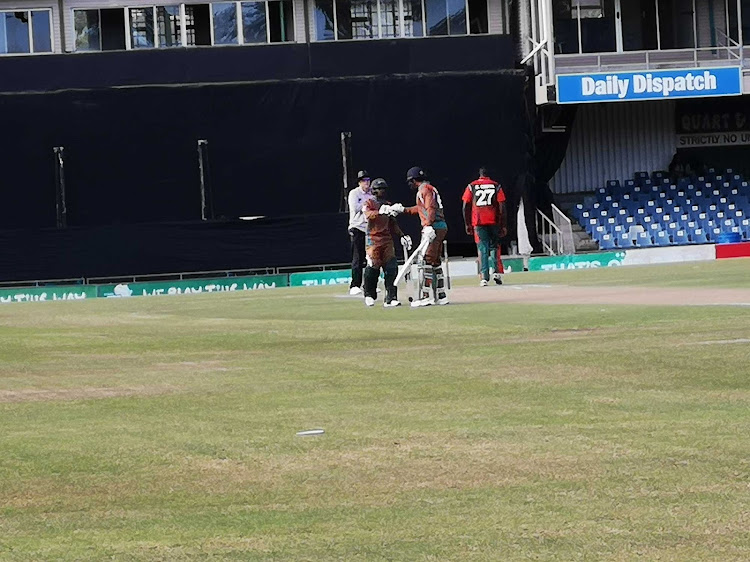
point(598, 415)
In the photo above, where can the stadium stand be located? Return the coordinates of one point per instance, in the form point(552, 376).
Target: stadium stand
point(651, 210)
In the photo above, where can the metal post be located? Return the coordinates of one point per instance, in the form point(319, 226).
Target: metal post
point(739, 27)
point(346, 171)
point(207, 208)
point(658, 28)
point(61, 207)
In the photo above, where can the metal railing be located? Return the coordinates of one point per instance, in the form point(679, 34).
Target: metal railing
point(549, 235)
point(729, 55)
point(565, 227)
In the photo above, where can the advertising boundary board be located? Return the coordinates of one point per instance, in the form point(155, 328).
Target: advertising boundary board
point(644, 85)
point(48, 293)
point(192, 286)
point(465, 267)
point(320, 278)
point(738, 250)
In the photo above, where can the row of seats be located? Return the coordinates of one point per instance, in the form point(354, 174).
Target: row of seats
point(649, 210)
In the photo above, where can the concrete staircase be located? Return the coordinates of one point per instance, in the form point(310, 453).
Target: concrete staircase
point(566, 202)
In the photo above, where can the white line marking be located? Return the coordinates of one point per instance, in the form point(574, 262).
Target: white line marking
point(721, 342)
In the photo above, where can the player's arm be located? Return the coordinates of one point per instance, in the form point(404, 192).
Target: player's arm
point(467, 205)
point(369, 210)
point(353, 210)
point(395, 228)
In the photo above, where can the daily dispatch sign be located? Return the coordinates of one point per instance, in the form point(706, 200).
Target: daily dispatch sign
point(651, 85)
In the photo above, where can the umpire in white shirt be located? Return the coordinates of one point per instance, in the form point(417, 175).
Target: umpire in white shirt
point(358, 229)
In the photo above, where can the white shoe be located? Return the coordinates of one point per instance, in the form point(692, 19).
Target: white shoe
point(498, 278)
point(355, 291)
point(369, 301)
point(423, 302)
point(391, 304)
point(483, 283)
point(443, 301)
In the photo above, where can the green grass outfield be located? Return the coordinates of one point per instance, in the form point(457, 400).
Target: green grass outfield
point(164, 428)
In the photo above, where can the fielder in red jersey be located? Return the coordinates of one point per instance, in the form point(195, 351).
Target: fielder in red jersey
point(484, 217)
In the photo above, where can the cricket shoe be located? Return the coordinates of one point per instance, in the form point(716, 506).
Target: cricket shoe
point(443, 301)
point(369, 301)
point(423, 302)
point(391, 304)
point(498, 279)
point(355, 291)
point(483, 283)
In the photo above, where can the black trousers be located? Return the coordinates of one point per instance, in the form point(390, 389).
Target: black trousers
point(357, 238)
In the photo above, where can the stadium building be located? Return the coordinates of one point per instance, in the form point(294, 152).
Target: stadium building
point(128, 123)
point(138, 134)
point(652, 94)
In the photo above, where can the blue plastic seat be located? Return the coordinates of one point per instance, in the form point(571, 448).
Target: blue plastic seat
point(607, 242)
point(661, 238)
point(644, 240)
point(699, 236)
point(680, 237)
point(640, 177)
point(626, 241)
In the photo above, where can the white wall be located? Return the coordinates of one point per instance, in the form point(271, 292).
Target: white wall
point(614, 140)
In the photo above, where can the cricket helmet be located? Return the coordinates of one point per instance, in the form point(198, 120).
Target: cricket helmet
point(415, 173)
point(378, 184)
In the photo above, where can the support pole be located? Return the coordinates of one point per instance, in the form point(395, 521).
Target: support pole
point(207, 207)
point(61, 208)
point(347, 173)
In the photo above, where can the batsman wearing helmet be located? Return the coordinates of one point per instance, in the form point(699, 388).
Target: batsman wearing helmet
point(429, 208)
point(381, 254)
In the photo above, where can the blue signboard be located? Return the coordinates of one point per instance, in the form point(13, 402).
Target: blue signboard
point(649, 85)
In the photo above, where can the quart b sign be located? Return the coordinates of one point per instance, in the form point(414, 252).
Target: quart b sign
point(649, 85)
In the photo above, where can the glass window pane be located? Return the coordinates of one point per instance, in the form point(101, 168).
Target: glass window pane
point(225, 23)
point(390, 23)
point(168, 19)
point(41, 27)
point(413, 26)
point(87, 30)
point(324, 20)
point(456, 17)
point(478, 22)
point(281, 21)
point(142, 28)
point(344, 18)
point(254, 22)
point(16, 26)
point(363, 17)
point(565, 23)
point(437, 20)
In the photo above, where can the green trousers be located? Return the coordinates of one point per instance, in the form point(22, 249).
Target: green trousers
point(488, 238)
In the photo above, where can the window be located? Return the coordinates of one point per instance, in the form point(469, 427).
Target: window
point(280, 21)
point(254, 28)
point(225, 23)
point(141, 28)
point(168, 22)
point(99, 30)
point(25, 31)
point(197, 24)
point(376, 19)
point(446, 17)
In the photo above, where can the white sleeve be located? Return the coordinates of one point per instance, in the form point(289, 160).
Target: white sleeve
point(352, 207)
